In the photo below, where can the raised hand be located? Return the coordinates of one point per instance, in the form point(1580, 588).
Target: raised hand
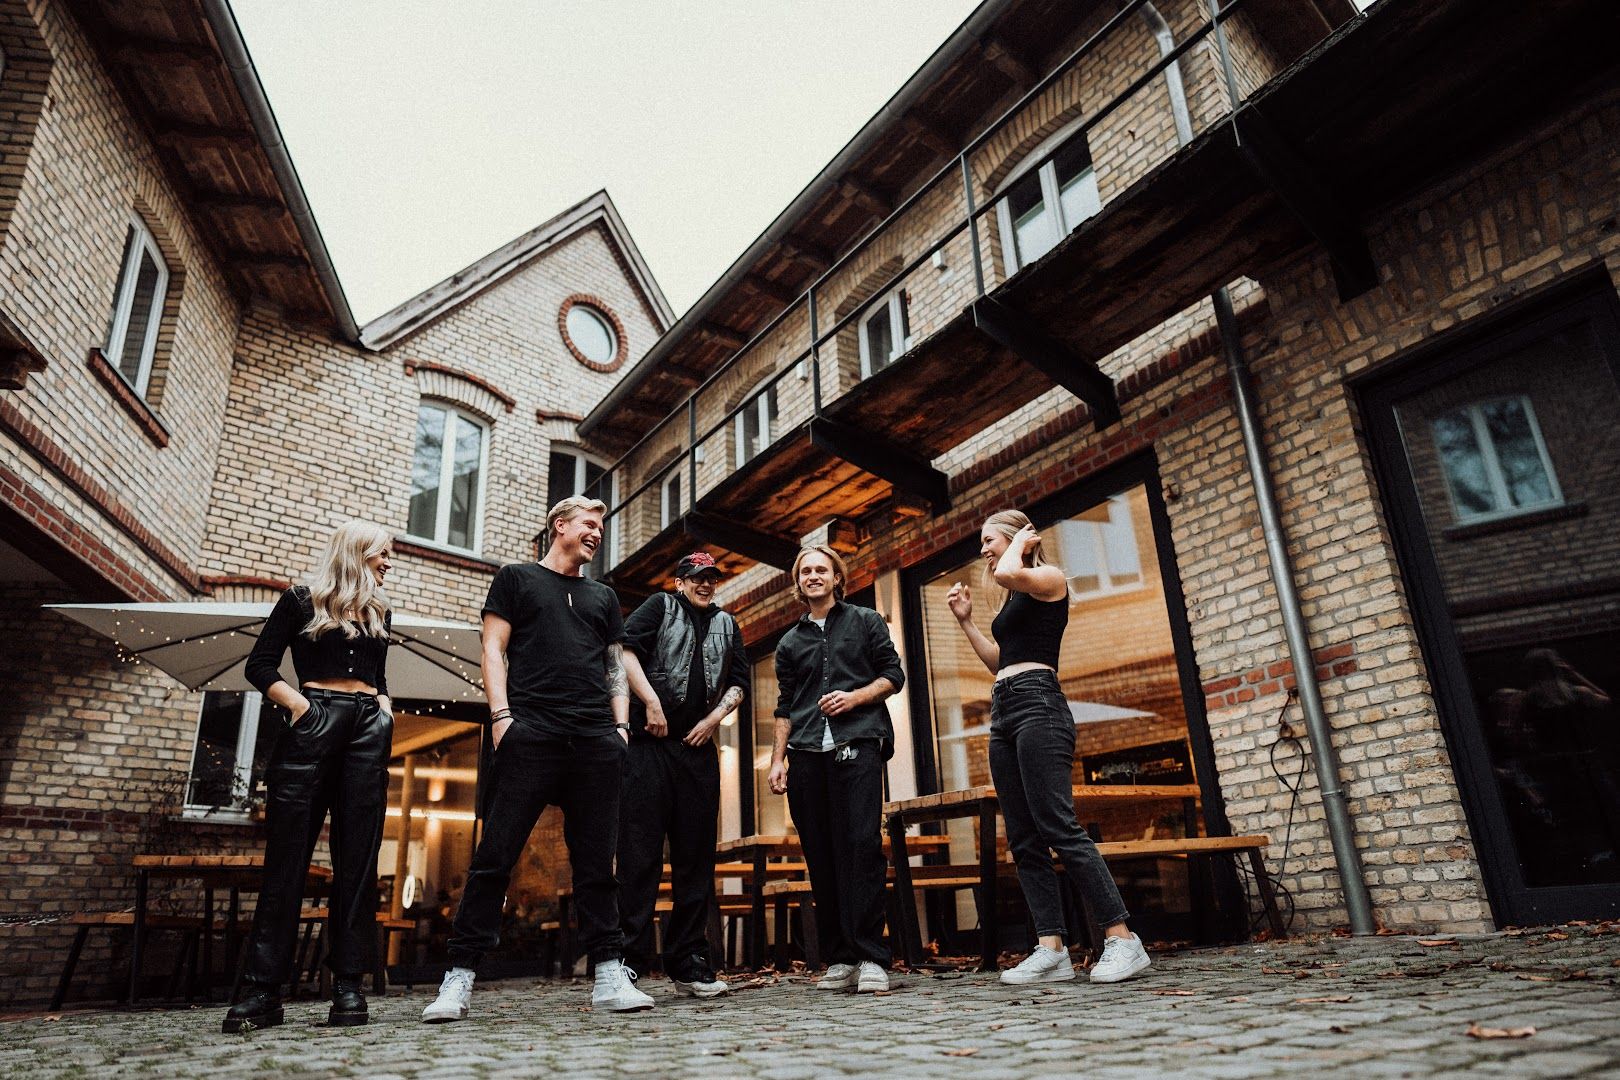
point(960, 601)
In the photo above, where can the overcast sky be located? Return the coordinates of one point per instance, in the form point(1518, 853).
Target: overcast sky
point(429, 133)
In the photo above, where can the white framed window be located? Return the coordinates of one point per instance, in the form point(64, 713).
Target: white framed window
point(143, 284)
point(1495, 459)
point(1099, 550)
point(884, 333)
point(1042, 203)
point(756, 425)
point(447, 477)
point(229, 756)
point(574, 472)
point(669, 497)
point(592, 334)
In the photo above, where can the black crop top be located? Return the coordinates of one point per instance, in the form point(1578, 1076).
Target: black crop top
point(1029, 630)
point(330, 656)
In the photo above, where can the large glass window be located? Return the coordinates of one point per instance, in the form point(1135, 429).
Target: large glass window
point(447, 476)
point(1494, 459)
point(1047, 202)
point(143, 283)
point(756, 425)
point(233, 746)
point(771, 817)
point(1119, 672)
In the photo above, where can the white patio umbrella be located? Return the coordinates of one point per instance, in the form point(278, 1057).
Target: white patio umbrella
point(1084, 712)
point(205, 646)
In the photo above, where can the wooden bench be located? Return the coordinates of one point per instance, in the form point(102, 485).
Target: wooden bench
point(189, 925)
point(1204, 846)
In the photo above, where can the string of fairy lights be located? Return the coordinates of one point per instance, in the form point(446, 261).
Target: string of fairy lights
point(129, 653)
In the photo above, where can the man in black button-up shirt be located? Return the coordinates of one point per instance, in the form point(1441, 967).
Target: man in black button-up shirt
point(834, 668)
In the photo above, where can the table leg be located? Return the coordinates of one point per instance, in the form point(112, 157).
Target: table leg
point(909, 931)
point(234, 915)
point(207, 942)
point(139, 944)
point(987, 886)
point(1267, 896)
point(756, 922)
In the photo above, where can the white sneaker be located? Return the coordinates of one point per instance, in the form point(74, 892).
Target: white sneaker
point(1121, 958)
point(837, 977)
point(873, 978)
point(615, 989)
point(699, 980)
point(1042, 965)
point(455, 997)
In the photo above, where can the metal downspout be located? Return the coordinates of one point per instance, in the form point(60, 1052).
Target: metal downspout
point(1334, 804)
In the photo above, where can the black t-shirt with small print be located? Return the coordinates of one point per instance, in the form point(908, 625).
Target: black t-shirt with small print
point(556, 660)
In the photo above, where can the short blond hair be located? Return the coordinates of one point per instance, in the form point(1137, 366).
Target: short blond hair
point(567, 510)
point(838, 566)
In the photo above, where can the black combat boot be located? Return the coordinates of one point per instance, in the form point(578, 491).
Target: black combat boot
point(260, 1007)
point(348, 1003)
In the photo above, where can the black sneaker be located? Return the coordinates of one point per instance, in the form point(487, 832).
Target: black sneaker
point(697, 979)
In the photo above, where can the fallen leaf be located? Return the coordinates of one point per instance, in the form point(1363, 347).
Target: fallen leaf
point(1243, 997)
point(1432, 943)
point(966, 1051)
point(1337, 1000)
point(1557, 935)
point(1339, 1029)
point(881, 993)
point(1175, 993)
point(1477, 1032)
point(997, 1027)
point(1534, 978)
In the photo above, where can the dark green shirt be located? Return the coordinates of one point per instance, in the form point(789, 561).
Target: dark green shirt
point(854, 650)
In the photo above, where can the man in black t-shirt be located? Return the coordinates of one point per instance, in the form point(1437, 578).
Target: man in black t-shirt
point(692, 653)
point(557, 678)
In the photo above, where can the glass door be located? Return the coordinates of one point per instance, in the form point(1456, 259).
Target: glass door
point(1500, 464)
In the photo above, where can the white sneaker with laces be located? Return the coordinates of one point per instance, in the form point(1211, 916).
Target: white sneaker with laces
point(1121, 958)
point(615, 989)
point(455, 997)
point(837, 977)
point(873, 978)
point(1042, 965)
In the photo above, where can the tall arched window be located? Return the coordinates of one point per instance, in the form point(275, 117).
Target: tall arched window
point(756, 424)
point(1047, 198)
point(447, 477)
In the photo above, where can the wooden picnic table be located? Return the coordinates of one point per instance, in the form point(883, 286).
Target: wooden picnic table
point(757, 850)
point(238, 873)
point(981, 802)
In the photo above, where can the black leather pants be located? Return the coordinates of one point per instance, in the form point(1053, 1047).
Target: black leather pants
point(334, 759)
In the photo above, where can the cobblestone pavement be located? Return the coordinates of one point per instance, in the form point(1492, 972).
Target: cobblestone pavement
point(1388, 1006)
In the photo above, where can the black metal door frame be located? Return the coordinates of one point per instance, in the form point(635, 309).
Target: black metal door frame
point(1587, 297)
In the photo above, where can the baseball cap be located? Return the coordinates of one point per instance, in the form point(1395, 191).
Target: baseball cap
point(696, 563)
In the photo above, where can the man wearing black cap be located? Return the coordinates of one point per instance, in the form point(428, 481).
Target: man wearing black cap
point(693, 655)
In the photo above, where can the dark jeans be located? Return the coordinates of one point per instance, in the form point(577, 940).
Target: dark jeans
point(334, 759)
point(531, 771)
point(670, 790)
point(1032, 764)
point(838, 809)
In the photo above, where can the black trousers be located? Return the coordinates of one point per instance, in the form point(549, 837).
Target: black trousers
point(837, 807)
point(532, 770)
point(672, 791)
point(334, 759)
point(1032, 763)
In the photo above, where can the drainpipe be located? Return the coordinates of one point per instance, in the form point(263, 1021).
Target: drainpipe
point(1334, 804)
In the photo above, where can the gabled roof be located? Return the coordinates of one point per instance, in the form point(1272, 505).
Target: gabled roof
point(596, 211)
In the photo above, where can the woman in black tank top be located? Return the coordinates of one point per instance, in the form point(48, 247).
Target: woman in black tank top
point(1032, 754)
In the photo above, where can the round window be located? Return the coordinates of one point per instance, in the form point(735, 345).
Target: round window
point(592, 334)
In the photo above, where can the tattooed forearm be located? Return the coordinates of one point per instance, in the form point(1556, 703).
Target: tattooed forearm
point(618, 684)
point(729, 700)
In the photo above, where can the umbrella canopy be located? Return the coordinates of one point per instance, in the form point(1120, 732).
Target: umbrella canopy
point(205, 646)
point(1084, 712)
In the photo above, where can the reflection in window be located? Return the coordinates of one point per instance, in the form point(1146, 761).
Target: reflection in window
point(1494, 459)
point(1048, 202)
point(770, 810)
point(756, 425)
point(228, 762)
point(447, 472)
point(1098, 550)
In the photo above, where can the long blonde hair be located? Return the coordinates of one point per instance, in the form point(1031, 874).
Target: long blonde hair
point(344, 593)
point(1006, 523)
point(839, 570)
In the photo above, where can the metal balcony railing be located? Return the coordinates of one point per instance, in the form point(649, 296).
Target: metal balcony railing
point(704, 458)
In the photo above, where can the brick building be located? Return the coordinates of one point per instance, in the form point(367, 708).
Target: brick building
point(190, 409)
point(1011, 288)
